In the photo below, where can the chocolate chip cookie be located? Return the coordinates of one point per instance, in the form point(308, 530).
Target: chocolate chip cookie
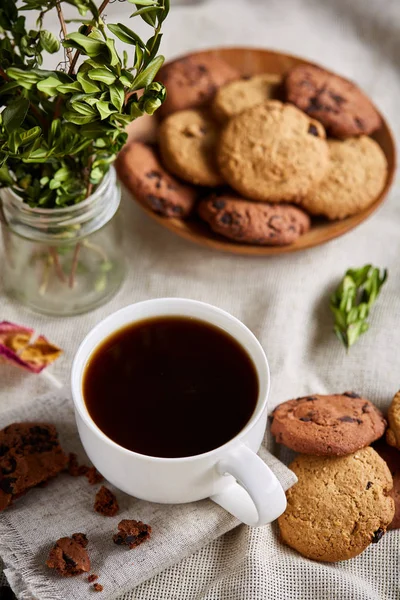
point(192, 81)
point(273, 152)
point(355, 178)
point(339, 506)
point(391, 456)
point(30, 454)
point(131, 533)
point(69, 556)
point(337, 103)
point(140, 170)
point(335, 425)
point(254, 222)
point(188, 145)
point(393, 433)
point(235, 97)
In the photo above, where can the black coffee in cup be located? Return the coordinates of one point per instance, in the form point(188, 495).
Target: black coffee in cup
point(170, 387)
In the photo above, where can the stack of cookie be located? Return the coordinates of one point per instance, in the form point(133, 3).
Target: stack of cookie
point(348, 493)
point(250, 156)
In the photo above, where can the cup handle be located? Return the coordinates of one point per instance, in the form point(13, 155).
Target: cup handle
point(256, 497)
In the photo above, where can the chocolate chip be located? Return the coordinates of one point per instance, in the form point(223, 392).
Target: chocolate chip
point(153, 175)
point(347, 419)
point(9, 467)
point(177, 210)
point(226, 219)
point(118, 539)
point(379, 533)
point(310, 398)
point(218, 203)
point(3, 449)
point(158, 184)
point(369, 484)
point(305, 419)
point(155, 202)
point(313, 130)
point(246, 77)
point(359, 421)
point(337, 98)
point(366, 407)
point(6, 484)
point(68, 560)
point(351, 395)
point(202, 68)
point(359, 123)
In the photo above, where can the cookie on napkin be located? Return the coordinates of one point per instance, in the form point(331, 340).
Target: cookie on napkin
point(339, 506)
point(331, 425)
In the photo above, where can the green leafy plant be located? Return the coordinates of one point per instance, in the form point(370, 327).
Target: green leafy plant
point(352, 300)
point(61, 129)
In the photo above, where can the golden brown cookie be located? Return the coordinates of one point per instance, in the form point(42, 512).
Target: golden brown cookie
point(393, 433)
point(192, 81)
point(254, 222)
point(331, 425)
point(188, 141)
point(140, 170)
point(337, 103)
point(339, 506)
point(391, 456)
point(273, 152)
point(356, 176)
point(237, 96)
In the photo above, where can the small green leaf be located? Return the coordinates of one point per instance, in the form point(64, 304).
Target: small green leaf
point(77, 118)
point(138, 57)
point(114, 58)
point(104, 109)
point(5, 177)
point(146, 77)
point(49, 86)
point(83, 109)
point(88, 86)
point(69, 88)
point(85, 44)
point(125, 34)
point(143, 2)
point(27, 137)
point(13, 115)
point(104, 75)
point(148, 14)
point(49, 41)
point(117, 95)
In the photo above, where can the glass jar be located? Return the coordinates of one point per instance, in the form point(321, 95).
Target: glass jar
point(63, 261)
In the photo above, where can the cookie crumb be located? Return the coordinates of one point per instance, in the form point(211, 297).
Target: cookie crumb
point(93, 476)
point(106, 503)
point(97, 587)
point(76, 470)
point(131, 533)
point(92, 577)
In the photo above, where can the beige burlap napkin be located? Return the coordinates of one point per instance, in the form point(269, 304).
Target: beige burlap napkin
point(65, 506)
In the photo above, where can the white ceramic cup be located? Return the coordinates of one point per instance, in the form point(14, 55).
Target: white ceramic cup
point(232, 475)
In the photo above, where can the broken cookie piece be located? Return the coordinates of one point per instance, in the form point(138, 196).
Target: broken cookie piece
point(131, 533)
point(30, 454)
point(69, 556)
point(106, 503)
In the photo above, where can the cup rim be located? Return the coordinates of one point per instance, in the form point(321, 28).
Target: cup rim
point(83, 354)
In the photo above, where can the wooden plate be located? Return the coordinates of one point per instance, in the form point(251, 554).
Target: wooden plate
point(251, 61)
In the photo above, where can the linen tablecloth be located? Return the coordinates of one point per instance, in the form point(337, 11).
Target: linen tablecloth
point(283, 299)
